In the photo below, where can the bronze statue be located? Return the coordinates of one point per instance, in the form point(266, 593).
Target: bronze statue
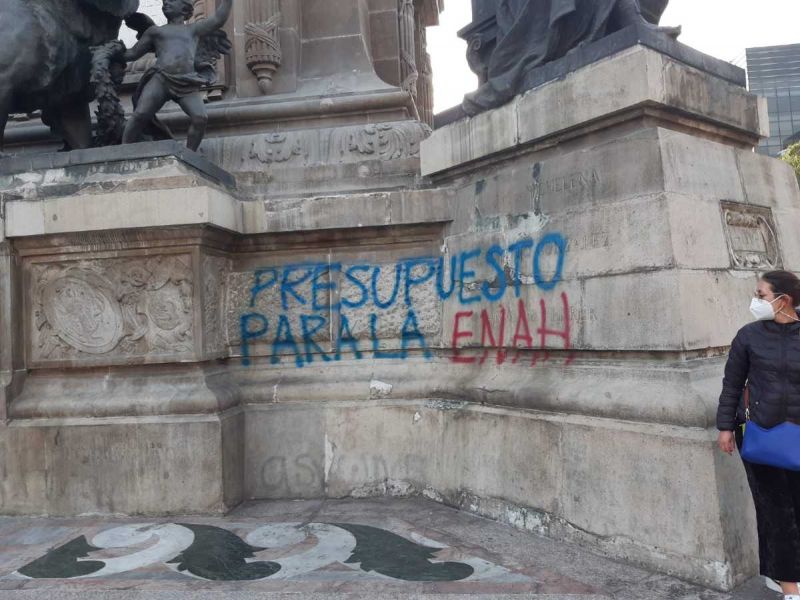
point(532, 33)
point(46, 60)
point(185, 57)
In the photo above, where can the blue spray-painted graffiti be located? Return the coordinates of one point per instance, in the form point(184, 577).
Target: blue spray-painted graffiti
point(320, 296)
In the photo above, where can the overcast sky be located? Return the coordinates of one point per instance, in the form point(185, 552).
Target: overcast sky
point(722, 28)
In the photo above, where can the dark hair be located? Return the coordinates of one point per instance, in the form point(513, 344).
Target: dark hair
point(187, 8)
point(784, 282)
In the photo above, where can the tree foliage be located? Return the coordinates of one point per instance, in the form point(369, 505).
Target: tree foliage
point(792, 156)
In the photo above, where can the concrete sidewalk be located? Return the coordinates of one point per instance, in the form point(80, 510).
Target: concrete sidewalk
point(353, 549)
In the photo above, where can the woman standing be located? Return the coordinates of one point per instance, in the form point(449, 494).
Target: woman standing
point(765, 356)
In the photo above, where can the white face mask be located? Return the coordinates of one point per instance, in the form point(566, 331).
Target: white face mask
point(762, 309)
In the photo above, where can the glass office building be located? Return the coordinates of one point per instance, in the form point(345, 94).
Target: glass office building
point(774, 72)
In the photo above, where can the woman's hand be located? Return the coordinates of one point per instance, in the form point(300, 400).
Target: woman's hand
point(726, 442)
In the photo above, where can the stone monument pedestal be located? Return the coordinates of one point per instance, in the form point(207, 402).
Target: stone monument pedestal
point(116, 308)
point(534, 331)
point(643, 164)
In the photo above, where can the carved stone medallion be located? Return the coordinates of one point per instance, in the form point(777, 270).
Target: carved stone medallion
point(751, 235)
point(118, 309)
point(83, 312)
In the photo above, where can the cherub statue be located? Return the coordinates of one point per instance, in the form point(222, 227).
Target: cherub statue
point(185, 57)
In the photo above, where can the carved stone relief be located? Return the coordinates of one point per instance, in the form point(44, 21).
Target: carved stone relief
point(238, 291)
point(263, 46)
point(408, 47)
point(425, 81)
point(751, 235)
point(416, 72)
point(280, 147)
point(384, 141)
point(214, 270)
point(116, 308)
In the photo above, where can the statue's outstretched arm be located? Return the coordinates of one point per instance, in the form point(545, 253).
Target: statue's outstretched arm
point(142, 47)
point(215, 21)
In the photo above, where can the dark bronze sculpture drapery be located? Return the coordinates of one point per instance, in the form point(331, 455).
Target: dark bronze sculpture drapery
point(531, 33)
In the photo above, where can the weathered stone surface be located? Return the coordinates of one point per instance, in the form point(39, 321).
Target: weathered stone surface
point(571, 469)
point(164, 466)
point(111, 161)
point(11, 349)
point(618, 237)
point(214, 272)
point(698, 232)
point(137, 186)
point(134, 391)
point(282, 162)
point(673, 392)
point(186, 206)
point(656, 80)
point(768, 182)
point(697, 168)
point(287, 316)
point(390, 299)
point(343, 211)
point(98, 212)
point(683, 310)
point(537, 187)
point(287, 458)
point(233, 458)
point(471, 139)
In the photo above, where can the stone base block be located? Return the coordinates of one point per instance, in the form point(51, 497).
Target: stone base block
point(636, 83)
point(129, 465)
point(650, 494)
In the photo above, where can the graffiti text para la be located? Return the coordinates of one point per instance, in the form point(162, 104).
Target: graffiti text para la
point(316, 298)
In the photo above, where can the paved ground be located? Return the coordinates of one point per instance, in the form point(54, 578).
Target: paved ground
point(368, 549)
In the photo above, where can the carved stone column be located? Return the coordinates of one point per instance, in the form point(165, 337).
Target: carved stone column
point(200, 10)
point(408, 47)
point(424, 97)
point(416, 73)
point(6, 318)
point(262, 46)
point(11, 368)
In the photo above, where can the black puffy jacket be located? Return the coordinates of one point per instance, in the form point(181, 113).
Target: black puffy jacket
point(766, 356)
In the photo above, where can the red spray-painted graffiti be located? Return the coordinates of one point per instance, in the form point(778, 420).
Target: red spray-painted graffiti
point(499, 340)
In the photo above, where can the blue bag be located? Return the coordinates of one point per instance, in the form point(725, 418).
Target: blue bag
point(777, 446)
